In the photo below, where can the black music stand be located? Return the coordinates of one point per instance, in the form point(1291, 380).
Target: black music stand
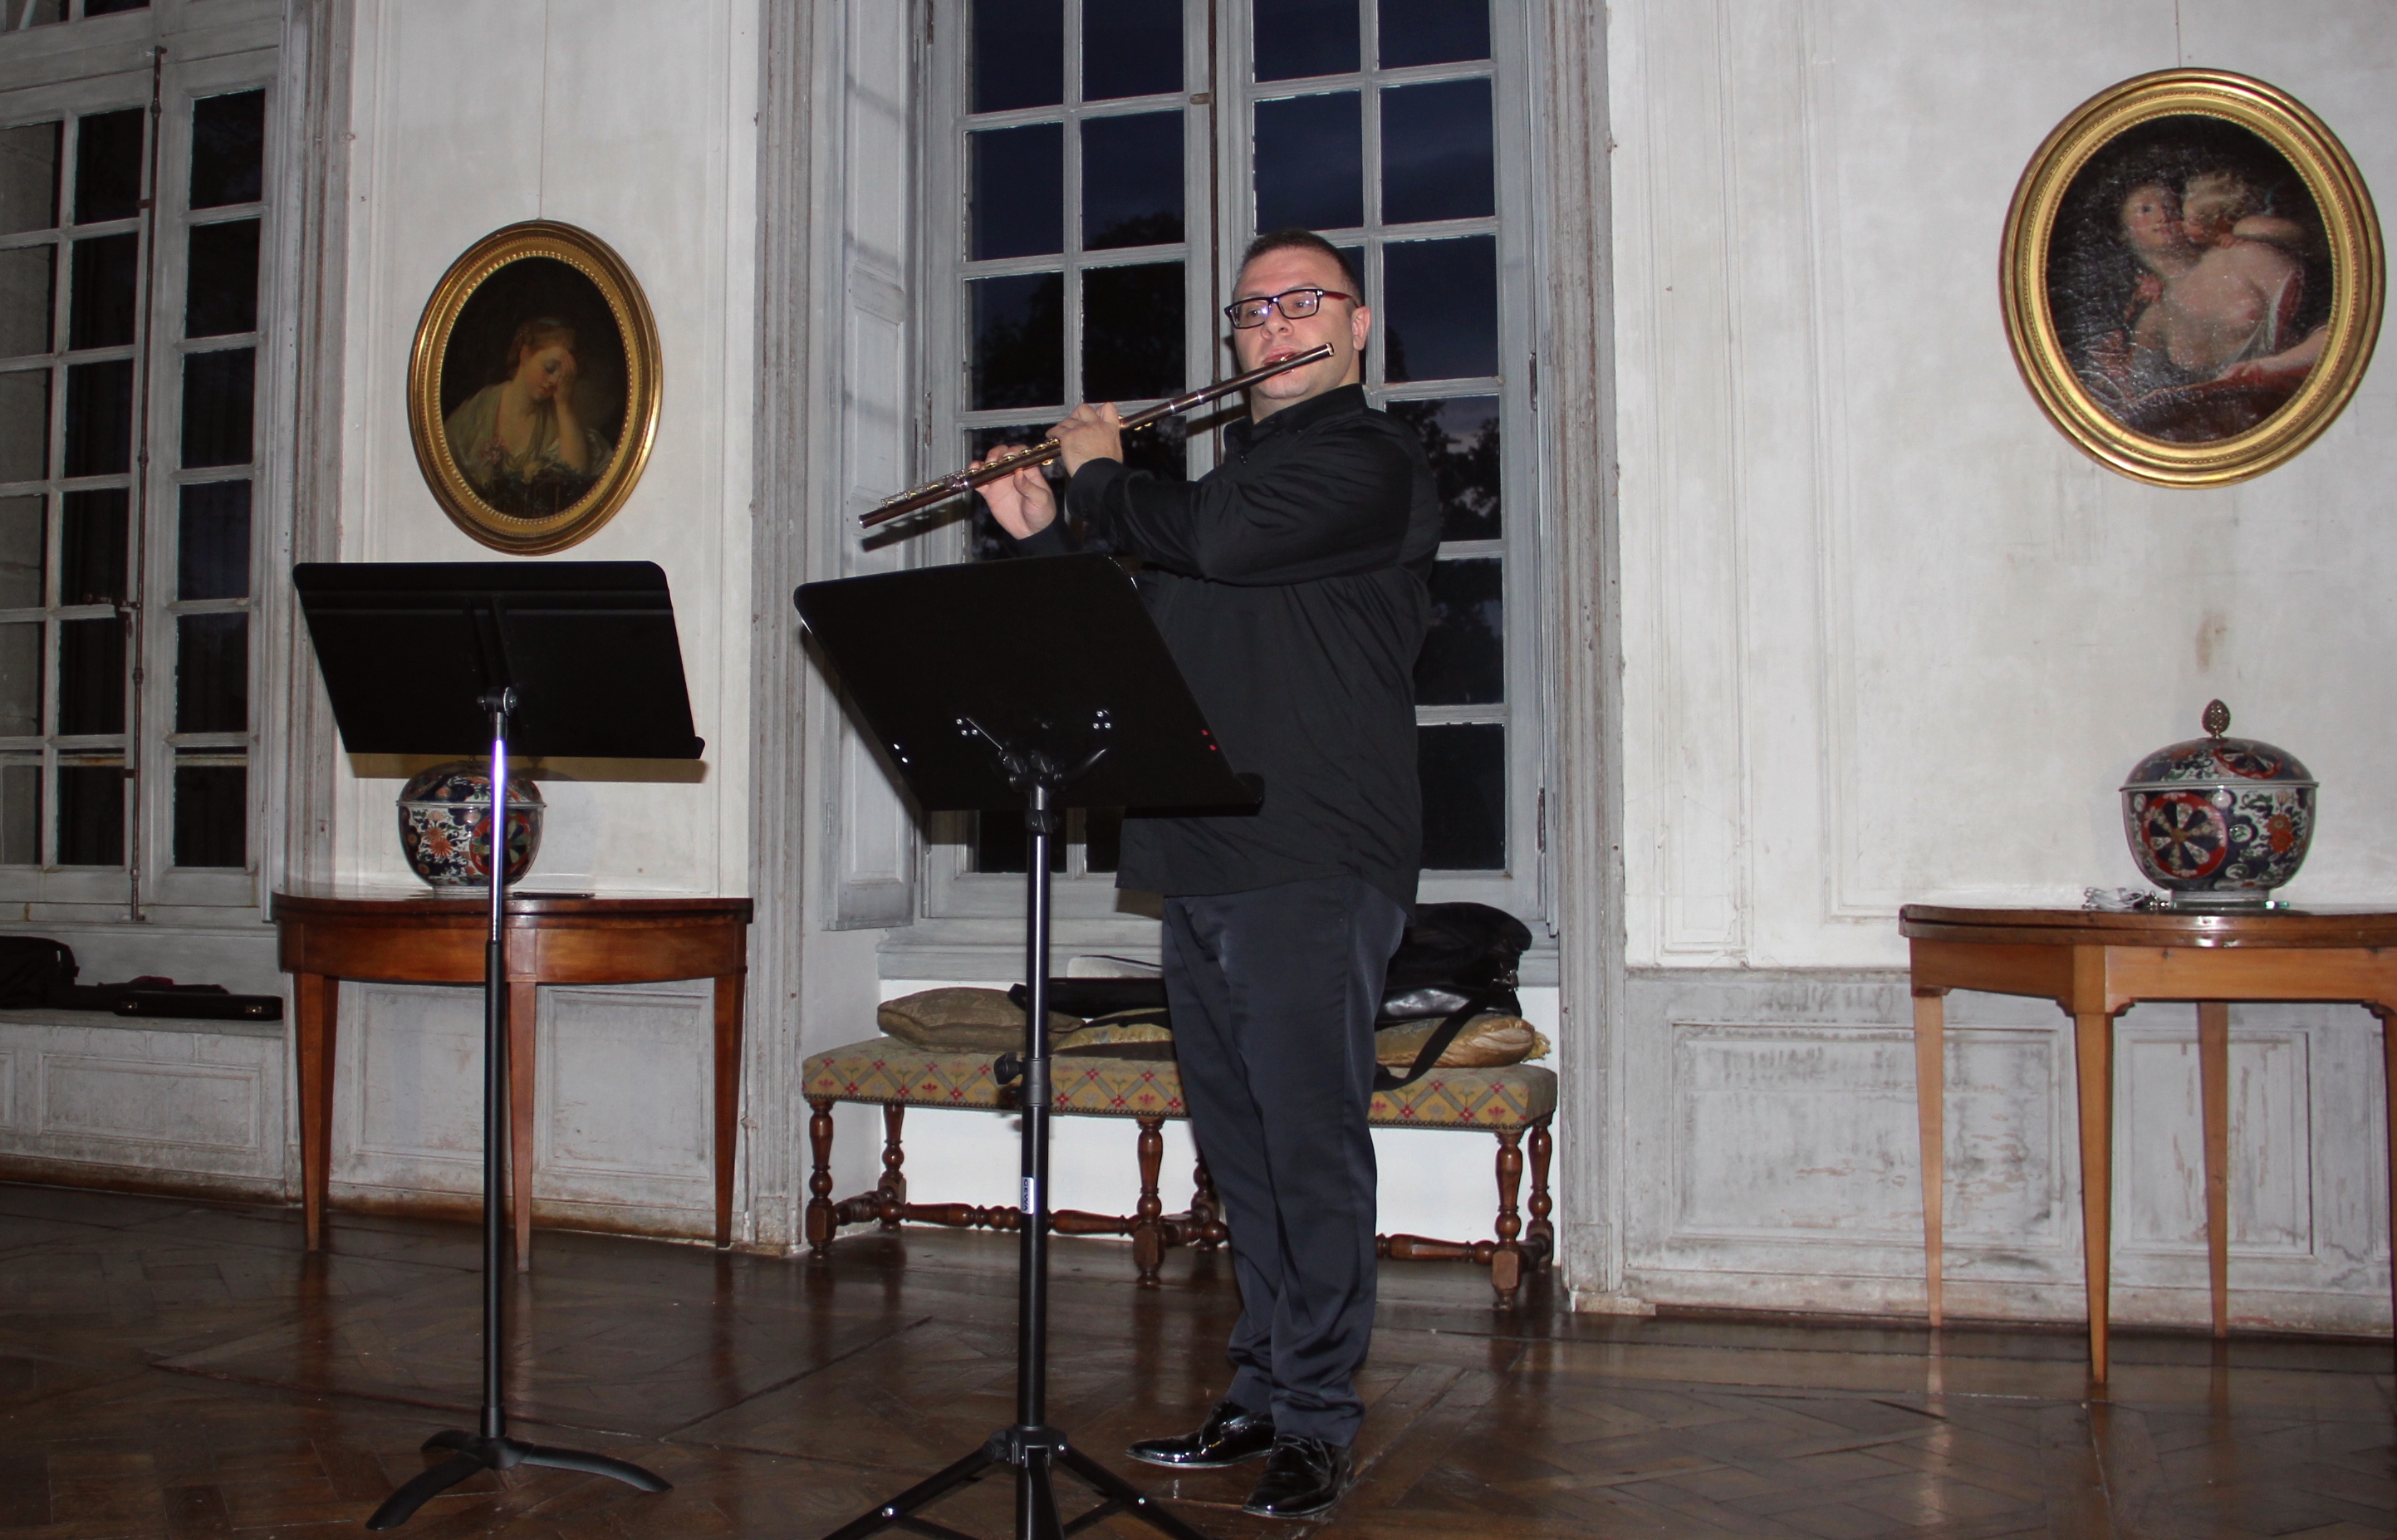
point(1034, 685)
point(573, 658)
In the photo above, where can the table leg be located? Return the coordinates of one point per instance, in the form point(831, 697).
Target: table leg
point(524, 1020)
point(728, 992)
point(1930, 1112)
point(314, 1029)
point(2213, 1093)
point(2095, 1032)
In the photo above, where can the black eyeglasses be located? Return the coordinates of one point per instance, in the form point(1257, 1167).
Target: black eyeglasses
point(1295, 305)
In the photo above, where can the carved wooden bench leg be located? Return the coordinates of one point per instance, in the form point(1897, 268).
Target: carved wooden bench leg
point(1208, 1209)
point(820, 1220)
point(892, 1187)
point(1148, 1235)
point(1507, 1257)
point(1541, 1235)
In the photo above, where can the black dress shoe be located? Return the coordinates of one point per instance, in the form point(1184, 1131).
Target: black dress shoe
point(1230, 1434)
point(1304, 1478)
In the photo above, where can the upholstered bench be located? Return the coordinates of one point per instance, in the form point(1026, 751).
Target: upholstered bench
point(1504, 1102)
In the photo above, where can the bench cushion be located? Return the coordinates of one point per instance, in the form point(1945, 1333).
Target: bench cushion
point(886, 1071)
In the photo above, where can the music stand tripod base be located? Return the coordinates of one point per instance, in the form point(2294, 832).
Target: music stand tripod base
point(476, 1452)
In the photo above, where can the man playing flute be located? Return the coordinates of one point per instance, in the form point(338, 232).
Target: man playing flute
point(1289, 583)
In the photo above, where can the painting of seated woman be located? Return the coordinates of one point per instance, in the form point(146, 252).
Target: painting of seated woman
point(532, 387)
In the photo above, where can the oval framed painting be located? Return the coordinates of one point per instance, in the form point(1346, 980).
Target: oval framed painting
point(2191, 277)
point(533, 389)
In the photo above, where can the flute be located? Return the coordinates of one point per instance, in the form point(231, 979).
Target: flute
point(1047, 449)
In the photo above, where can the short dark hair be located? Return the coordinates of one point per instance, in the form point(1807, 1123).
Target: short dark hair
point(1294, 238)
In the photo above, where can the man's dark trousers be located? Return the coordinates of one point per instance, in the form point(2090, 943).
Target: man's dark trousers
point(1273, 993)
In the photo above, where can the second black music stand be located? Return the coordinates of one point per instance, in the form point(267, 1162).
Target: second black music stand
point(1035, 685)
point(574, 658)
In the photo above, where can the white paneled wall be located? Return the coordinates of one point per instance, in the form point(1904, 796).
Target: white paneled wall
point(623, 1115)
point(94, 1100)
point(1782, 1139)
point(638, 126)
point(1888, 638)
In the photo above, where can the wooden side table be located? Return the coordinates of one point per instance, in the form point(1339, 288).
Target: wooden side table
point(2097, 965)
point(324, 938)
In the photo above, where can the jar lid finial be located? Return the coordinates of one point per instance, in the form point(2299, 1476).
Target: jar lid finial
point(2216, 720)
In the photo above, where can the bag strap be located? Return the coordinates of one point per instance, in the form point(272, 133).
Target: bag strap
point(1427, 1058)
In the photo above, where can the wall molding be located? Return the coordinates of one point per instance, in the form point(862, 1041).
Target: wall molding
point(1581, 604)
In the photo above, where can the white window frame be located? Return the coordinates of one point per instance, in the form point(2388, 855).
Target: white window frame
point(212, 47)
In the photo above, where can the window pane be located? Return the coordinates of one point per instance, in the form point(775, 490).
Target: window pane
point(25, 300)
point(20, 679)
point(20, 814)
point(108, 165)
point(228, 149)
point(1464, 660)
point(37, 13)
point(218, 390)
point(1464, 770)
point(1019, 191)
point(110, 7)
point(91, 814)
point(1439, 308)
point(1460, 438)
point(92, 675)
point(29, 177)
point(212, 673)
point(1019, 341)
point(221, 294)
point(25, 425)
point(1433, 32)
point(1019, 54)
point(1131, 180)
point(1310, 163)
point(92, 547)
point(99, 417)
point(1131, 332)
point(23, 536)
point(1303, 37)
point(212, 541)
point(1130, 47)
point(1435, 153)
point(99, 306)
point(211, 816)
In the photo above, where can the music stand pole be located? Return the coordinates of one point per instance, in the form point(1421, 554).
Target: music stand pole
point(491, 1449)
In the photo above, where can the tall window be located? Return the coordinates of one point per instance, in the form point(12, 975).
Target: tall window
point(132, 221)
point(1106, 169)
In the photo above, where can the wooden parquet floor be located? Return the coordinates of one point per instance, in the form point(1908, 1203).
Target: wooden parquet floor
point(171, 1370)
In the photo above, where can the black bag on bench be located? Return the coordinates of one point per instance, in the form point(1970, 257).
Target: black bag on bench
point(1456, 961)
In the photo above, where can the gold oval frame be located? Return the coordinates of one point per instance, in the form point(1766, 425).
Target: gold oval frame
point(591, 257)
point(2350, 229)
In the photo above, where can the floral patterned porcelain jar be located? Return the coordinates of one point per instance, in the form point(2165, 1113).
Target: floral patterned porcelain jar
point(445, 824)
point(2219, 821)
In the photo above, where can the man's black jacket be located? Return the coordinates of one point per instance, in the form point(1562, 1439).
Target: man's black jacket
point(1289, 583)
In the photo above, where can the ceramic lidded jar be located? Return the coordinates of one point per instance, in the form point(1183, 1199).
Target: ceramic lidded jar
point(2218, 821)
point(445, 824)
